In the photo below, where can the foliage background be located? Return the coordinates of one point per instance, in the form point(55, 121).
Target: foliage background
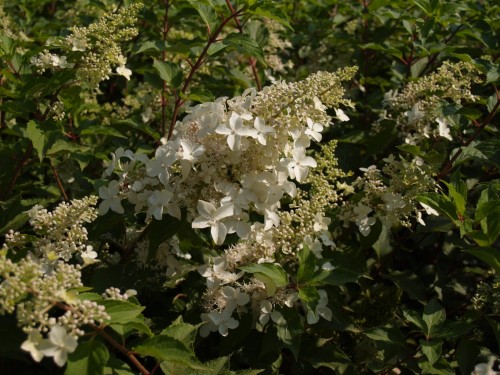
point(413, 298)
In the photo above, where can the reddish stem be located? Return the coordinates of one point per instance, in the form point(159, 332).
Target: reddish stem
point(179, 101)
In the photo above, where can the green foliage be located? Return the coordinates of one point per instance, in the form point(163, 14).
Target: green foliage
point(412, 287)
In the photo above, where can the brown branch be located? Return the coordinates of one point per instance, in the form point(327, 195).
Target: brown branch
point(20, 165)
point(251, 61)
point(59, 183)
point(179, 101)
point(122, 349)
point(449, 164)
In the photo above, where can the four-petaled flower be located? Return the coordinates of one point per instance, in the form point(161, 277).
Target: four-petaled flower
point(211, 217)
point(157, 202)
point(110, 198)
point(236, 131)
point(58, 345)
point(262, 130)
point(298, 167)
point(31, 345)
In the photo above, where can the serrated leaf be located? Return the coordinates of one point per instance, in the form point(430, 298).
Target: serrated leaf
point(37, 137)
point(434, 315)
point(184, 332)
point(388, 334)
point(273, 271)
point(270, 11)
point(245, 45)
point(142, 128)
point(89, 358)
point(121, 312)
point(431, 349)
point(117, 367)
point(103, 130)
point(310, 296)
point(307, 265)
point(152, 45)
point(64, 146)
point(166, 348)
point(199, 95)
point(216, 47)
point(169, 72)
point(489, 255)
point(439, 203)
point(137, 324)
point(206, 11)
point(415, 318)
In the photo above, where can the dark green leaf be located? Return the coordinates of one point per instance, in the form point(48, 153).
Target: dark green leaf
point(307, 265)
point(434, 315)
point(489, 255)
point(121, 312)
point(89, 358)
point(271, 11)
point(166, 348)
point(169, 72)
point(245, 45)
point(37, 137)
point(432, 349)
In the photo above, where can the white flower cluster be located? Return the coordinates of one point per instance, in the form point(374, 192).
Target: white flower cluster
point(389, 195)
point(230, 158)
point(61, 232)
point(41, 288)
point(229, 165)
point(418, 109)
point(94, 50)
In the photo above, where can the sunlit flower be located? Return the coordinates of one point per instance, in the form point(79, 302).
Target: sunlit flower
point(58, 345)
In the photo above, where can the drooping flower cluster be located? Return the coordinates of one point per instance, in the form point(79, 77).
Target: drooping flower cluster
point(94, 51)
point(419, 109)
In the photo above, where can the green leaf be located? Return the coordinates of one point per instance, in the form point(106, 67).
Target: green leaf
point(307, 265)
point(415, 318)
point(142, 128)
point(467, 353)
point(439, 203)
point(273, 271)
point(64, 146)
point(152, 45)
point(245, 45)
point(387, 334)
point(409, 283)
point(117, 367)
point(121, 312)
point(166, 348)
point(432, 349)
point(37, 137)
point(134, 326)
point(489, 255)
point(206, 11)
point(458, 196)
point(434, 315)
point(199, 95)
point(290, 332)
point(310, 296)
point(184, 332)
point(271, 11)
point(103, 130)
point(169, 72)
point(216, 47)
point(89, 358)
